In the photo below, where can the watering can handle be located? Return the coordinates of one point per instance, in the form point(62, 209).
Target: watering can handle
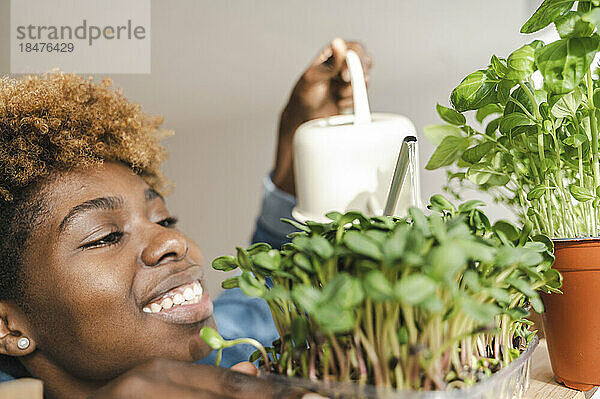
point(362, 112)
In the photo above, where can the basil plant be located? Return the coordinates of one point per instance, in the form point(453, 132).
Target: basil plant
point(424, 302)
point(534, 142)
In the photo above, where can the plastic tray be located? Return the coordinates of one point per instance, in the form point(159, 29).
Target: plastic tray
point(510, 382)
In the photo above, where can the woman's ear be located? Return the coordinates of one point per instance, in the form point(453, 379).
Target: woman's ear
point(16, 338)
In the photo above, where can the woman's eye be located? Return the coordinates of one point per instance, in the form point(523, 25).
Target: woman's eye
point(109, 239)
point(168, 222)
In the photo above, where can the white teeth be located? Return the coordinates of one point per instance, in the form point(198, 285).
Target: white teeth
point(188, 294)
point(178, 299)
point(197, 289)
point(155, 307)
point(187, 303)
point(196, 299)
point(147, 310)
point(167, 303)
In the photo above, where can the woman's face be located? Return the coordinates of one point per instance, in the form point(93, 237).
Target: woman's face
point(106, 274)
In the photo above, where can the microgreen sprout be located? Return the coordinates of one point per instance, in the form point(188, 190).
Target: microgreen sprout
point(537, 151)
point(423, 302)
point(218, 343)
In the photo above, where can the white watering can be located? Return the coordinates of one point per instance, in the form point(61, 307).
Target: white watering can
point(346, 162)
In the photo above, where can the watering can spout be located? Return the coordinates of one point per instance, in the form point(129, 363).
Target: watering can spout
point(407, 163)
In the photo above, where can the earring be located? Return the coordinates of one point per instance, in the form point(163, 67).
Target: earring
point(23, 343)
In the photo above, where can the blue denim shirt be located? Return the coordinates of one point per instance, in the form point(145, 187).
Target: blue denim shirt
point(237, 315)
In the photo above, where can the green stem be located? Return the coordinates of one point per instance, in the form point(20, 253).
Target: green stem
point(255, 344)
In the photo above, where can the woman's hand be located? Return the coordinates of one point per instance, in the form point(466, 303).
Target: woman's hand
point(162, 378)
point(323, 90)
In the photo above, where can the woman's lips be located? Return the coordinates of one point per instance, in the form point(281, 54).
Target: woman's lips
point(185, 304)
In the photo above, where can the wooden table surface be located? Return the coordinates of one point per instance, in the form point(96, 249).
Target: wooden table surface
point(542, 384)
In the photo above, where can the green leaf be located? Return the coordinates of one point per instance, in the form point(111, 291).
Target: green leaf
point(565, 62)
point(535, 246)
point(243, 259)
point(475, 153)
point(575, 140)
point(468, 206)
point(471, 279)
point(525, 232)
point(419, 220)
point(250, 286)
point(507, 229)
point(258, 247)
point(508, 256)
point(307, 297)
point(510, 121)
point(536, 192)
point(553, 278)
point(414, 289)
point(521, 63)
point(447, 152)
point(451, 116)
point(268, 260)
point(503, 90)
point(581, 194)
point(303, 262)
point(230, 283)
point(483, 313)
point(486, 111)
point(474, 92)
point(212, 337)
point(393, 247)
point(333, 320)
point(476, 250)
point(377, 286)
point(433, 304)
point(566, 105)
point(546, 13)
point(499, 294)
point(295, 224)
point(574, 24)
point(593, 16)
point(436, 133)
point(225, 263)
point(343, 291)
point(446, 261)
point(524, 287)
point(362, 245)
point(440, 203)
point(484, 174)
point(498, 66)
point(321, 247)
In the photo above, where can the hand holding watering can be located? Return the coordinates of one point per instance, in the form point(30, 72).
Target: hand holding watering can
point(347, 162)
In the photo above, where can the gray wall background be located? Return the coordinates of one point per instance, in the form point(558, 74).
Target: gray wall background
point(222, 71)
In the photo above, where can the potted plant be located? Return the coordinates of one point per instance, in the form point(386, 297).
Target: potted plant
point(423, 303)
point(534, 149)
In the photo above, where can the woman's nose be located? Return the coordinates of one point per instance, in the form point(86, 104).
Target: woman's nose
point(168, 245)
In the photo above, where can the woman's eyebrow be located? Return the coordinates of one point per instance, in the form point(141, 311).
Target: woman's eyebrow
point(150, 194)
point(101, 203)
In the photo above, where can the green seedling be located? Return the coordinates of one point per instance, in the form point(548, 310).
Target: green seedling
point(534, 147)
point(218, 343)
point(423, 302)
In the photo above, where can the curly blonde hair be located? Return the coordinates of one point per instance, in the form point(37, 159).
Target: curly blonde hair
point(52, 123)
point(57, 121)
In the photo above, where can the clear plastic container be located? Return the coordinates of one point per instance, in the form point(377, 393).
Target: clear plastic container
point(510, 382)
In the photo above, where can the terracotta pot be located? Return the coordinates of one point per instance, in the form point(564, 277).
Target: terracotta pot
point(572, 320)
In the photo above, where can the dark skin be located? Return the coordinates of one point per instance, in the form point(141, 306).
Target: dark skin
point(94, 260)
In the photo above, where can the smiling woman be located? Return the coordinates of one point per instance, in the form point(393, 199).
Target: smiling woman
point(96, 282)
